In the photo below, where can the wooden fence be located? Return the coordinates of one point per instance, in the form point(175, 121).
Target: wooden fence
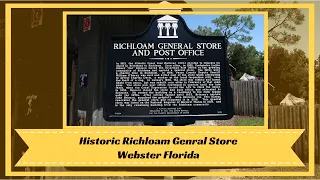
point(248, 97)
point(296, 117)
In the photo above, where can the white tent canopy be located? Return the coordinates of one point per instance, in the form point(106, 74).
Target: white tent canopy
point(247, 77)
point(291, 100)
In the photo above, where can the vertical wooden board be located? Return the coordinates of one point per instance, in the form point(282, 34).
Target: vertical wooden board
point(285, 111)
point(242, 99)
point(231, 86)
point(247, 99)
point(261, 91)
point(259, 99)
point(315, 132)
point(317, 151)
point(294, 125)
point(233, 93)
point(285, 115)
point(291, 126)
point(305, 141)
point(274, 125)
point(251, 98)
point(283, 118)
point(239, 98)
point(271, 119)
point(237, 91)
point(289, 117)
point(307, 125)
point(235, 97)
point(274, 117)
point(298, 125)
point(262, 104)
point(263, 96)
point(246, 110)
point(278, 118)
point(255, 98)
point(306, 134)
point(318, 133)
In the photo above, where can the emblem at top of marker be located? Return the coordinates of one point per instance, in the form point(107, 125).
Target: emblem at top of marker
point(167, 22)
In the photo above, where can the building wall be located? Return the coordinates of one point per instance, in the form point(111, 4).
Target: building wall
point(92, 58)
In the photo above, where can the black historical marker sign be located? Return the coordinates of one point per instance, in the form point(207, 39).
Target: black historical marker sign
point(168, 73)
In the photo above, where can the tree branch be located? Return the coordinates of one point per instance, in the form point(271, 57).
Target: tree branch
point(277, 25)
point(275, 39)
point(279, 16)
point(236, 30)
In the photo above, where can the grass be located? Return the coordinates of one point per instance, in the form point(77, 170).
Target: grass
point(250, 122)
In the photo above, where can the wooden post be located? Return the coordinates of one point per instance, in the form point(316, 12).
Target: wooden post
point(73, 86)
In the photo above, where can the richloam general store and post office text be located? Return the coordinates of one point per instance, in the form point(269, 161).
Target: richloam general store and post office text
point(167, 49)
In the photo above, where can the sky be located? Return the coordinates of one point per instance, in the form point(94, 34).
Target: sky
point(301, 30)
point(193, 21)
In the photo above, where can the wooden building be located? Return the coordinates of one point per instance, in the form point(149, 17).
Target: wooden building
point(37, 69)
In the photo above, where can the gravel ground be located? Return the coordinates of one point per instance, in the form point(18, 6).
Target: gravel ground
point(231, 122)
